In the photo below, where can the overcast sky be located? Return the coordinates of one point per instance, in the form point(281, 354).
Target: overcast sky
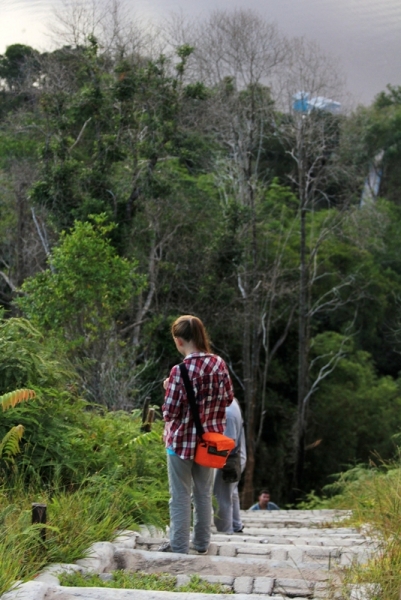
point(364, 34)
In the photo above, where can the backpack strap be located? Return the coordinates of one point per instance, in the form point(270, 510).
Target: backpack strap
point(191, 399)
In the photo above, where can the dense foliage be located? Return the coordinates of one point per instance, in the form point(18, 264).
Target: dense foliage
point(96, 471)
point(136, 186)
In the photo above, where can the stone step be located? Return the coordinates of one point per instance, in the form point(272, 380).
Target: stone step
point(321, 513)
point(125, 594)
point(297, 555)
point(259, 530)
point(280, 587)
point(273, 517)
point(335, 541)
point(283, 515)
point(282, 555)
point(281, 544)
point(344, 532)
point(288, 523)
point(298, 517)
point(240, 565)
point(309, 531)
point(151, 543)
point(340, 549)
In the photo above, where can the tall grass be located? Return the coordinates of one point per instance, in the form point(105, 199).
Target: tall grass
point(130, 489)
point(374, 494)
point(94, 512)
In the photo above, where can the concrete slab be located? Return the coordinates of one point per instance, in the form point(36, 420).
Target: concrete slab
point(294, 587)
point(119, 594)
point(243, 585)
point(253, 566)
point(263, 585)
point(32, 590)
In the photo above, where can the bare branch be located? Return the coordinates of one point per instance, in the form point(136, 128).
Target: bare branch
point(241, 287)
point(42, 236)
point(8, 281)
point(80, 134)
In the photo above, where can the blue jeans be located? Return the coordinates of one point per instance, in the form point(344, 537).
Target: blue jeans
point(188, 480)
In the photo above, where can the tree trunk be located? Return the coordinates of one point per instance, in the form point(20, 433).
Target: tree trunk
point(251, 350)
point(303, 331)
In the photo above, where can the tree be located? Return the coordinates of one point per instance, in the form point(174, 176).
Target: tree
point(103, 117)
point(226, 201)
point(355, 413)
point(111, 139)
point(236, 54)
point(81, 295)
point(310, 136)
point(18, 66)
point(110, 22)
point(381, 133)
point(252, 72)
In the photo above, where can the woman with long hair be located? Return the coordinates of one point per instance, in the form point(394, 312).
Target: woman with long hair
point(213, 390)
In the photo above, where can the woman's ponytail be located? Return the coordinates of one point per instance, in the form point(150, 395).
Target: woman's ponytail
point(191, 329)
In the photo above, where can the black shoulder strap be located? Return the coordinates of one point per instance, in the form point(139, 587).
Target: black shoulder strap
point(191, 398)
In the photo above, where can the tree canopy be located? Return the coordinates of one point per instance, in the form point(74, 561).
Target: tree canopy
point(137, 185)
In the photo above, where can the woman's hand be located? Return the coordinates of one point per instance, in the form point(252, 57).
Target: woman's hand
point(165, 383)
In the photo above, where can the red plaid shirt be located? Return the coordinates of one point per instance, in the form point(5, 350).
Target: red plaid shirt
point(213, 390)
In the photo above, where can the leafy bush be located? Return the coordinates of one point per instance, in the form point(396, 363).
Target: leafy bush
point(66, 440)
point(29, 358)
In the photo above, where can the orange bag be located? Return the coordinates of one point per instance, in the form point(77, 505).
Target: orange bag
point(213, 450)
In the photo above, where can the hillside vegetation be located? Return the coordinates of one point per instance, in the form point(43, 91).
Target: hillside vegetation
point(146, 176)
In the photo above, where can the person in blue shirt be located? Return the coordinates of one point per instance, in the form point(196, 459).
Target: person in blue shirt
point(264, 502)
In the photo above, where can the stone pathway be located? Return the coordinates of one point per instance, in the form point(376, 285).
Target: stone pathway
point(282, 554)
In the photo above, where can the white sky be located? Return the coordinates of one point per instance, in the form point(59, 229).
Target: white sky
point(364, 34)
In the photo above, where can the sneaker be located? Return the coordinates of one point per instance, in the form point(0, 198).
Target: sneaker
point(239, 530)
point(193, 550)
point(165, 547)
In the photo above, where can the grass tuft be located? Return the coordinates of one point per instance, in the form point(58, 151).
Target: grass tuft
point(142, 581)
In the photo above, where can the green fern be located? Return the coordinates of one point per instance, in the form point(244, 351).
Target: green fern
point(9, 445)
point(13, 398)
point(146, 438)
